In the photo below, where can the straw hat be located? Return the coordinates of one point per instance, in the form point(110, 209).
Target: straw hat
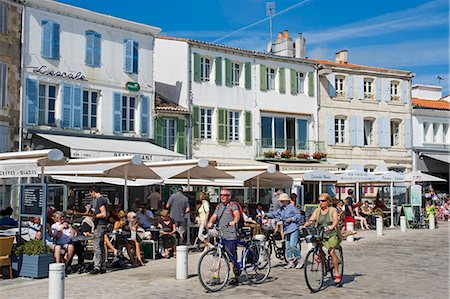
point(284, 197)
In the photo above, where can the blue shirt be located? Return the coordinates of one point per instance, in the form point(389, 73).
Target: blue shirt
point(286, 212)
point(8, 221)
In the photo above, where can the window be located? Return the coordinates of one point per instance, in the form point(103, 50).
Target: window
point(339, 130)
point(128, 109)
point(445, 133)
point(47, 99)
point(3, 84)
point(93, 49)
point(369, 168)
point(342, 167)
point(3, 18)
point(395, 91)
point(284, 133)
point(235, 73)
point(233, 126)
point(395, 133)
point(368, 88)
point(368, 132)
point(90, 102)
point(300, 77)
point(50, 40)
point(169, 133)
point(339, 86)
point(131, 56)
point(205, 68)
point(205, 123)
point(270, 79)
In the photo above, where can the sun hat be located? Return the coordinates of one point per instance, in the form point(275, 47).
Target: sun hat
point(284, 197)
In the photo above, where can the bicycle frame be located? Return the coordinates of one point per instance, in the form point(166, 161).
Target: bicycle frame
point(238, 264)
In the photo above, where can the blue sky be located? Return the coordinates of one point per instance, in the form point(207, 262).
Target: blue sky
point(402, 34)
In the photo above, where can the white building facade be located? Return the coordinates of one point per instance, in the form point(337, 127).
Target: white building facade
point(85, 74)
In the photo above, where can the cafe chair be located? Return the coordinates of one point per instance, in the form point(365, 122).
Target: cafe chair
point(6, 245)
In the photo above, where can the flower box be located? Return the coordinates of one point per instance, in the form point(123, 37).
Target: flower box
point(35, 266)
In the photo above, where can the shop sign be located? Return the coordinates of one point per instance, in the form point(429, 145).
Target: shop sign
point(19, 171)
point(133, 86)
point(44, 70)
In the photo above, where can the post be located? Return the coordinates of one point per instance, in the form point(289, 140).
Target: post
point(379, 226)
point(432, 226)
point(392, 204)
point(56, 277)
point(350, 228)
point(403, 224)
point(125, 189)
point(182, 262)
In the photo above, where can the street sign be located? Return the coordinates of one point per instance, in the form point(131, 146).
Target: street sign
point(133, 86)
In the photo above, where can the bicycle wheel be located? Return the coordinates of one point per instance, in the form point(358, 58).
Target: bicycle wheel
point(340, 256)
point(314, 270)
point(213, 270)
point(257, 263)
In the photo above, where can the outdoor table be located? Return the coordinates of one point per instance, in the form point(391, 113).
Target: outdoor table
point(155, 235)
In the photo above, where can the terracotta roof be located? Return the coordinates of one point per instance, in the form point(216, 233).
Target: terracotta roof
point(164, 105)
point(358, 66)
point(430, 104)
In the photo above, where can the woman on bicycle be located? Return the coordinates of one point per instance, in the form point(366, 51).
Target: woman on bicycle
point(292, 217)
point(326, 216)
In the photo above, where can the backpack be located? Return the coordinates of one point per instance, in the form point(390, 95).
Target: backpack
point(240, 223)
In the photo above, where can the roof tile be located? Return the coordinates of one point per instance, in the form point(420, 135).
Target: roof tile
point(430, 104)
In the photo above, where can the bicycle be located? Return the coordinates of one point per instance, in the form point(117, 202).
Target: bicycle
point(214, 265)
point(318, 263)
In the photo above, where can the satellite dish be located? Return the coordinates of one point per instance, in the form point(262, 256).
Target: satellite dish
point(269, 47)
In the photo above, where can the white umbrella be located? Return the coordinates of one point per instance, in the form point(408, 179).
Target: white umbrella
point(419, 176)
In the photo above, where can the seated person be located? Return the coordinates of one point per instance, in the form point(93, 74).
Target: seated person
point(360, 218)
point(145, 217)
point(35, 229)
point(6, 218)
point(367, 212)
point(167, 233)
point(122, 225)
point(62, 234)
point(249, 222)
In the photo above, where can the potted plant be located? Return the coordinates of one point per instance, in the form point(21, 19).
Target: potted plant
point(270, 154)
point(319, 156)
point(287, 154)
point(303, 156)
point(33, 262)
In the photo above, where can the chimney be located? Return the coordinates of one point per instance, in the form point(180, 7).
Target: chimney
point(342, 56)
point(300, 46)
point(283, 46)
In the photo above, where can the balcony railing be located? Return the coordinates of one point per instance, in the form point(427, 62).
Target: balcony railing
point(271, 148)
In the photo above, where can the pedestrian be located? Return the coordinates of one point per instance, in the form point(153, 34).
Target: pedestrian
point(100, 222)
point(179, 209)
point(154, 201)
point(202, 220)
point(349, 198)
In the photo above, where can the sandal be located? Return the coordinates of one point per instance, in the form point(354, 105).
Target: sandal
point(337, 279)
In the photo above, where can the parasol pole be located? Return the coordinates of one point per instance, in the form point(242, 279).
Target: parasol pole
point(125, 190)
point(392, 205)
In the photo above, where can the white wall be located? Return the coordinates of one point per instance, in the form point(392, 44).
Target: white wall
point(427, 92)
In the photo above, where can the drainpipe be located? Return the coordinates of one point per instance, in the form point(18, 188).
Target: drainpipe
point(256, 115)
point(316, 127)
point(190, 100)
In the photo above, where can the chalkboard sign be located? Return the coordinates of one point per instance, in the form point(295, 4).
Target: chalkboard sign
point(416, 211)
point(409, 214)
point(33, 197)
point(309, 210)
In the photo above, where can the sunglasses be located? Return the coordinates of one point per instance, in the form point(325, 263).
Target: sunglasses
point(225, 194)
point(323, 200)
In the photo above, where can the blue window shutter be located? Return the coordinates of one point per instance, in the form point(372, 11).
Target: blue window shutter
point(353, 131)
point(117, 112)
point(66, 106)
point(404, 90)
point(97, 50)
point(359, 131)
point(46, 39)
point(407, 130)
point(386, 90)
point(144, 115)
point(359, 82)
point(128, 56)
point(378, 89)
point(4, 135)
point(89, 57)
point(55, 41)
point(331, 86)
point(330, 130)
point(380, 132)
point(135, 57)
point(77, 107)
point(350, 92)
point(31, 102)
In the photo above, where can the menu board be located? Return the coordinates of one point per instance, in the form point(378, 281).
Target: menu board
point(409, 214)
point(32, 199)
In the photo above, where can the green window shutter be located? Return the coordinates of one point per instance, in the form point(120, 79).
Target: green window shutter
point(181, 133)
point(159, 127)
point(262, 77)
point(195, 122)
point(282, 80)
point(248, 127)
point(197, 67)
point(222, 125)
point(227, 72)
point(293, 82)
point(219, 70)
point(311, 84)
point(248, 75)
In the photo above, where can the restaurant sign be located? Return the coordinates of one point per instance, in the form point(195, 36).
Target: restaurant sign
point(357, 176)
point(76, 153)
point(320, 176)
point(133, 86)
point(44, 70)
point(19, 170)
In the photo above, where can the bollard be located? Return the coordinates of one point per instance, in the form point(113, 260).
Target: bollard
point(350, 228)
point(379, 226)
point(432, 226)
point(56, 278)
point(403, 224)
point(182, 262)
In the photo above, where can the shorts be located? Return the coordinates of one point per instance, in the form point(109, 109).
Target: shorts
point(332, 242)
point(231, 246)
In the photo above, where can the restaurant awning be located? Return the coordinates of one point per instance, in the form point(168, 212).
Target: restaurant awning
point(112, 181)
point(95, 147)
point(419, 176)
point(187, 169)
point(439, 157)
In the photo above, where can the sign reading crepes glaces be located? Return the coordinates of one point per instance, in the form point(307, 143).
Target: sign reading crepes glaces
point(19, 170)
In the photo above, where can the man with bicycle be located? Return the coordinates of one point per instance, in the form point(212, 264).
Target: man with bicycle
point(227, 215)
point(326, 216)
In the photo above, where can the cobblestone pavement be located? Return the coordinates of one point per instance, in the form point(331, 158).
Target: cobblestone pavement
point(414, 264)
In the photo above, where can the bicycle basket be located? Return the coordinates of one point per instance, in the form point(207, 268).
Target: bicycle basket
point(245, 233)
point(314, 233)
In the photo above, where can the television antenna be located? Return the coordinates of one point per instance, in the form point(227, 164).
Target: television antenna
point(440, 79)
point(270, 12)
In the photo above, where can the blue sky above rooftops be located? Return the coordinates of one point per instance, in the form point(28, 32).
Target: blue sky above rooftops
point(411, 35)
